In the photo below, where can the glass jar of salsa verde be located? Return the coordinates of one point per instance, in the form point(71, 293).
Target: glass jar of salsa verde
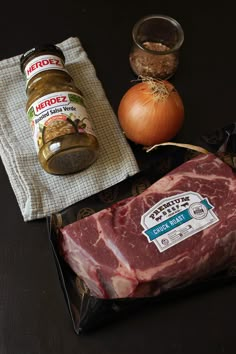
point(62, 129)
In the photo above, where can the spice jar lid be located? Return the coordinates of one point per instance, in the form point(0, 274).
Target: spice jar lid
point(44, 48)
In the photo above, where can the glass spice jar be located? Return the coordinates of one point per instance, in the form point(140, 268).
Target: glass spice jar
point(62, 130)
point(157, 40)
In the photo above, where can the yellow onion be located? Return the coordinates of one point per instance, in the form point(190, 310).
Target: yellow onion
point(151, 112)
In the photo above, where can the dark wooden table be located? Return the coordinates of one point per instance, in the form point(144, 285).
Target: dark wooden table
point(34, 318)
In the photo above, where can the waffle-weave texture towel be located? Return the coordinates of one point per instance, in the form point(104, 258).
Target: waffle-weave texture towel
point(38, 193)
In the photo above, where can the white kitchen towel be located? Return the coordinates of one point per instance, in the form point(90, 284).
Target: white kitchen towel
point(38, 193)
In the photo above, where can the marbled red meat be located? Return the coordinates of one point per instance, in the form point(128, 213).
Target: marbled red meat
point(109, 251)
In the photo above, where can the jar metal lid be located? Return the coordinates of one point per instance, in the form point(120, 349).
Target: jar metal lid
point(45, 48)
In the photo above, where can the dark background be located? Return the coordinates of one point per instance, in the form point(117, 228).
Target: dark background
point(33, 315)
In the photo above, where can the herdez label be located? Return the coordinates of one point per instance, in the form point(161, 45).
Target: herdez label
point(58, 114)
point(177, 218)
point(42, 63)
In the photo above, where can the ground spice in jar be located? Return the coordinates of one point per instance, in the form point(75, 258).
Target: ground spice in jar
point(156, 65)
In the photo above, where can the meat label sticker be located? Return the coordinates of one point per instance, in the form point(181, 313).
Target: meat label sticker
point(177, 218)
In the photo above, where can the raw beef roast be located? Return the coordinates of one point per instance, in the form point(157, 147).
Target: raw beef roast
point(111, 253)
